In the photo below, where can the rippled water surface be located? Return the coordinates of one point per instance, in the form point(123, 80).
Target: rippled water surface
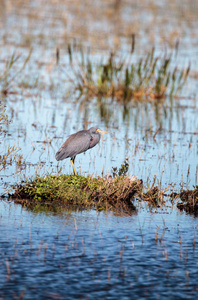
point(93, 254)
point(71, 254)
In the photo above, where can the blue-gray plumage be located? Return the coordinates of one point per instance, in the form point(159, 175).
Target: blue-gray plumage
point(77, 143)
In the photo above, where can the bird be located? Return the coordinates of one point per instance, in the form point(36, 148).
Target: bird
point(77, 143)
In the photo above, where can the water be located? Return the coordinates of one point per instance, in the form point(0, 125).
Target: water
point(71, 254)
point(44, 124)
point(92, 255)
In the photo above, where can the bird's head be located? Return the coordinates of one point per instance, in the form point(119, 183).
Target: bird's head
point(101, 131)
point(94, 130)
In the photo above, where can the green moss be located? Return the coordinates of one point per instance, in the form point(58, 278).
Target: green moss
point(85, 192)
point(115, 193)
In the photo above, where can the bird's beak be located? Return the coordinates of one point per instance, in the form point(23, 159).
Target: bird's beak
point(101, 131)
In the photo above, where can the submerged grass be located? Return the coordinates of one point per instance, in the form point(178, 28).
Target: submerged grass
point(3, 117)
point(151, 77)
point(10, 154)
point(189, 200)
point(11, 71)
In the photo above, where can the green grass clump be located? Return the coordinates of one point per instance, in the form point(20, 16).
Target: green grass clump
point(102, 193)
point(148, 78)
point(85, 192)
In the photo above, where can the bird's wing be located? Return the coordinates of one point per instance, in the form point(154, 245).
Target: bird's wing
point(77, 143)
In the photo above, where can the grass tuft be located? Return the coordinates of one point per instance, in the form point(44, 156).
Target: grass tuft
point(151, 77)
point(84, 192)
point(115, 193)
point(189, 200)
point(11, 71)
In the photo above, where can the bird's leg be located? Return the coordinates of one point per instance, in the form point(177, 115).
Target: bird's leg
point(72, 162)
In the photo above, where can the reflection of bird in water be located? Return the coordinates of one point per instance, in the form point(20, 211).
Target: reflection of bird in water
point(77, 143)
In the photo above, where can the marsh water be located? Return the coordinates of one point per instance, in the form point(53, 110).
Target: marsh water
point(87, 254)
point(92, 255)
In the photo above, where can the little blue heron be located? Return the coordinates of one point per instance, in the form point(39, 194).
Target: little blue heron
point(77, 143)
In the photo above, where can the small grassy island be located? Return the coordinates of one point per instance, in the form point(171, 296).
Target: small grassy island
point(101, 193)
point(109, 193)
